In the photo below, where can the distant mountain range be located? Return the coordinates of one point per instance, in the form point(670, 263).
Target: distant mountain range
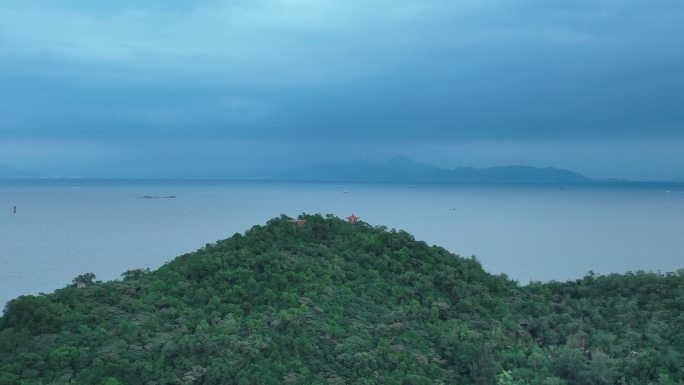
point(399, 169)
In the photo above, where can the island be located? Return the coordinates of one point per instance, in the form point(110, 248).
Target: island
point(403, 170)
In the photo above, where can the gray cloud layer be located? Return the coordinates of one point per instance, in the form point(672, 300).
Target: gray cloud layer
point(322, 72)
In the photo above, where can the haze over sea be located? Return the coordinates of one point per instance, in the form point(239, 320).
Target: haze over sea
point(64, 228)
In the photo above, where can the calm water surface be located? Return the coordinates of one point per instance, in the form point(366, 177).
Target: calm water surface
point(63, 228)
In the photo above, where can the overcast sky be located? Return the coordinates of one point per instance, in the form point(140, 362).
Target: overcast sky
point(172, 88)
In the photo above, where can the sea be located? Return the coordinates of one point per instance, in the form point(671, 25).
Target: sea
point(66, 227)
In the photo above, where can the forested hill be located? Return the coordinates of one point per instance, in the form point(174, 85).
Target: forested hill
point(334, 303)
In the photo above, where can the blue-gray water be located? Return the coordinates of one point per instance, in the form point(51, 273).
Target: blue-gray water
point(63, 228)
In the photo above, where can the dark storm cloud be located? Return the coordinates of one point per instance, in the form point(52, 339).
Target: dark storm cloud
point(323, 71)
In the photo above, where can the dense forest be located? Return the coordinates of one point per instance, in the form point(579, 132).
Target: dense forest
point(329, 302)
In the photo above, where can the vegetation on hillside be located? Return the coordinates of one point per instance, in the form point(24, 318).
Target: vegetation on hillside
point(334, 303)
